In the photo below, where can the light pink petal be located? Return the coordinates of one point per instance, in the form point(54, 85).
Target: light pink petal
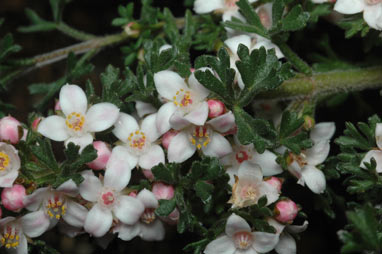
point(148, 126)
point(69, 188)
point(318, 153)
point(323, 131)
point(378, 135)
point(232, 171)
point(153, 157)
point(125, 125)
point(373, 16)
point(202, 6)
point(128, 209)
point(23, 246)
point(270, 191)
point(69, 231)
point(33, 201)
point(286, 244)
point(178, 120)
point(277, 225)
point(98, 221)
point(267, 162)
point(227, 15)
point(75, 214)
point(198, 88)
point(118, 169)
point(101, 116)
point(314, 179)
point(264, 242)
point(234, 42)
point(168, 83)
point(349, 6)
point(73, 99)
point(90, 187)
point(250, 171)
point(8, 179)
point(236, 224)
point(199, 115)
point(127, 232)
point(148, 199)
point(295, 229)
point(144, 108)
point(218, 146)
point(221, 245)
point(377, 155)
point(180, 148)
point(81, 141)
point(223, 123)
point(54, 128)
point(163, 117)
point(152, 232)
point(35, 224)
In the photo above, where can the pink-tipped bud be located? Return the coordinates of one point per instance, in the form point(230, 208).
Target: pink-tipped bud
point(35, 123)
point(275, 182)
point(57, 106)
point(215, 108)
point(148, 174)
point(103, 155)
point(13, 197)
point(163, 191)
point(192, 69)
point(286, 211)
point(10, 129)
point(133, 194)
point(167, 137)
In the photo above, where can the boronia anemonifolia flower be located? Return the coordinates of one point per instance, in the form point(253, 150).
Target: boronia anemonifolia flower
point(9, 165)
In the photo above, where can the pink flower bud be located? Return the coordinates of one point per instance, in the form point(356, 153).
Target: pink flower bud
point(13, 197)
point(215, 108)
point(133, 194)
point(57, 106)
point(163, 191)
point(9, 129)
point(35, 123)
point(103, 155)
point(275, 182)
point(148, 174)
point(167, 137)
point(192, 69)
point(286, 211)
point(1, 213)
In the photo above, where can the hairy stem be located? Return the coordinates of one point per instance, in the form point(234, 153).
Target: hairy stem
point(74, 33)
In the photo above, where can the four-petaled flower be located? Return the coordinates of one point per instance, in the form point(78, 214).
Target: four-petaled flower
point(9, 165)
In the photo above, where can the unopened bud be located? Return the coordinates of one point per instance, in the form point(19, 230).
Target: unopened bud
point(286, 211)
point(167, 137)
point(163, 191)
point(215, 108)
point(308, 122)
point(10, 129)
point(103, 155)
point(12, 198)
point(275, 182)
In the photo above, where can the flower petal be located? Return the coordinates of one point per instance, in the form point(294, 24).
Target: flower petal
point(314, 179)
point(267, 162)
point(378, 135)
point(286, 244)
point(323, 131)
point(223, 123)
point(128, 210)
point(118, 168)
point(264, 242)
point(218, 146)
point(178, 121)
point(163, 117)
point(148, 199)
point(81, 141)
point(144, 108)
point(198, 88)
point(202, 6)
point(295, 229)
point(33, 201)
point(199, 115)
point(153, 157)
point(90, 187)
point(8, 179)
point(250, 171)
point(54, 128)
point(148, 126)
point(234, 42)
point(73, 99)
point(98, 221)
point(75, 214)
point(235, 224)
point(152, 232)
point(267, 44)
point(269, 191)
point(221, 245)
point(349, 6)
point(125, 125)
point(318, 153)
point(101, 116)
point(372, 14)
point(127, 232)
point(377, 155)
point(35, 224)
point(22, 248)
point(180, 148)
point(69, 188)
point(168, 83)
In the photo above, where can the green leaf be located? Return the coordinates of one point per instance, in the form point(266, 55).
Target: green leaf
point(38, 24)
point(165, 207)
point(354, 26)
point(167, 173)
point(8, 47)
point(204, 190)
point(44, 153)
point(295, 20)
point(251, 16)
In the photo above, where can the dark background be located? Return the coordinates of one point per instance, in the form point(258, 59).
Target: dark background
point(94, 16)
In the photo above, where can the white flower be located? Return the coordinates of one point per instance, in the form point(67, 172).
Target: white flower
point(249, 187)
point(303, 166)
point(372, 10)
point(207, 138)
point(376, 154)
point(149, 227)
point(14, 232)
point(9, 165)
point(187, 102)
point(79, 122)
point(107, 197)
point(242, 153)
point(139, 141)
point(57, 204)
point(239, 238)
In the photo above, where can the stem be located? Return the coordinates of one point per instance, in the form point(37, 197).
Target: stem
point(294, 59)
point(74, 33)
point(327, 83)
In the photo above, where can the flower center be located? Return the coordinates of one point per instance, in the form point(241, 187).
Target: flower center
point(55, 207)
point(10, 237)
point(148, 215)
point(182, 98)
point(75, 121)
point(231, 3)
point(200, 137)
point(242, 156)
point(4, 161)
point(373, 2)
point(248, 192)
point(107, 198)
point(243, 240)
point(137, 140)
